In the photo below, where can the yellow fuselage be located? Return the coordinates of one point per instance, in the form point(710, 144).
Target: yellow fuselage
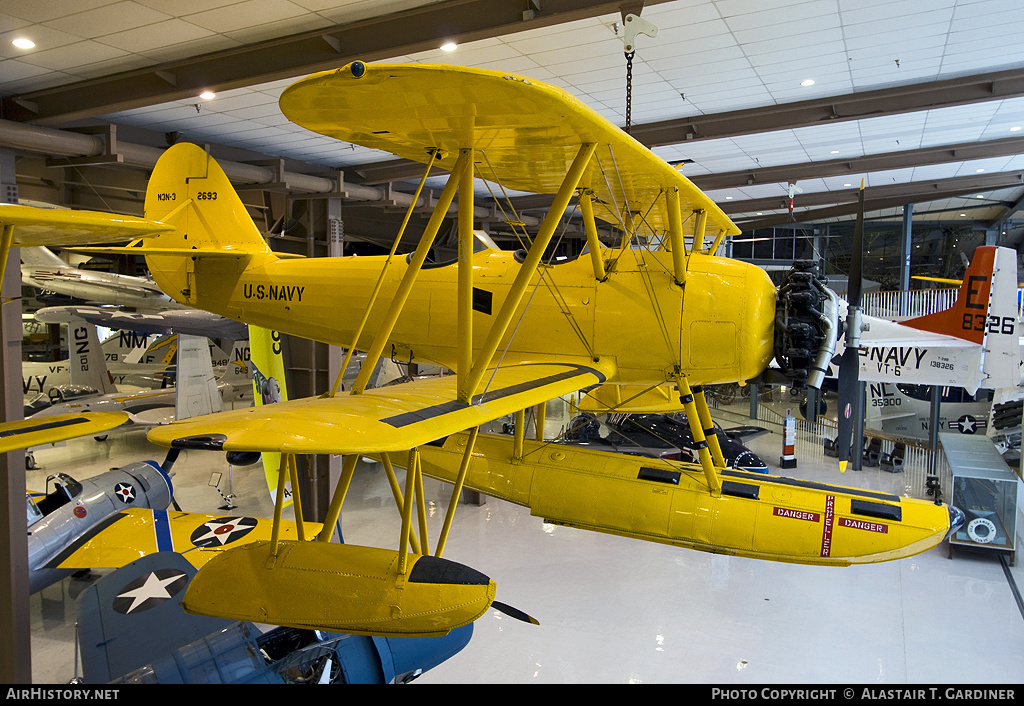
point(715, 328)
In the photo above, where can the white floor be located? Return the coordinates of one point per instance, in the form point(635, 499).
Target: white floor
point(616, 610)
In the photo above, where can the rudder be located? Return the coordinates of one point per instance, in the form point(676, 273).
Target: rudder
point(968, 317)
point(191, 192)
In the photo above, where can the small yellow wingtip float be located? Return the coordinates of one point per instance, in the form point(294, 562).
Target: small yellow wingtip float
point(340, 587)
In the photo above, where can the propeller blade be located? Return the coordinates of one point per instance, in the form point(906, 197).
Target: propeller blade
point(514, 613)
point(849, 367)
point(849, 364)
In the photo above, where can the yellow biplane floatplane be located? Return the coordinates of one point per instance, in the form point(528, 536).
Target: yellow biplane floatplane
point(516, 331)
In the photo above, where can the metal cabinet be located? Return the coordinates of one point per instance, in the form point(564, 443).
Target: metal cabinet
point(985, 488)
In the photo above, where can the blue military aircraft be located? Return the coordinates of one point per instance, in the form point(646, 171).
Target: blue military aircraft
point(132, 629)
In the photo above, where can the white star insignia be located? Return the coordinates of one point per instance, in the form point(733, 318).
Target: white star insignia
point(153, 587)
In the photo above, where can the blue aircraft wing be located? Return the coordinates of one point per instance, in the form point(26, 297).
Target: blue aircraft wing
point(132, 629)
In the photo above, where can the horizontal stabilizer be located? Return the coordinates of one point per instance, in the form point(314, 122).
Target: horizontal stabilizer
point(57, 226)
point(341, 588)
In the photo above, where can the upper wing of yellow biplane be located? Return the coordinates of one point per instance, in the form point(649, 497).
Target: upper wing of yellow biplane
point(383, 419)
point(528, 133)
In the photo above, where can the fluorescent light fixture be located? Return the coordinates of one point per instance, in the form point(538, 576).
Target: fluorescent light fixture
point(207, 95)
point(847, 184)
point(978, 171)
point(807, 82)
point(963, 214)
point(980, 196)
point(23, 43)
point(834, 152)
point(449, 46)
point(1015, 128)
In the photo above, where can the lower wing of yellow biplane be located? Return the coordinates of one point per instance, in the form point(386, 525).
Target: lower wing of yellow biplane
point(26, 433)
point(387, 419)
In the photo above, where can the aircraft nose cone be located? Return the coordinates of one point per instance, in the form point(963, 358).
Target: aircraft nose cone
point(956, 519)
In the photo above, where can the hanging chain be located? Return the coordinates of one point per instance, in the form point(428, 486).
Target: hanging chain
point(629, 89)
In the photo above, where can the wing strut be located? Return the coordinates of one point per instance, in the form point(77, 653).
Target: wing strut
point(411, 472)
point(464, 360)
point(396, 491)
point(709, 426)
point(675, 233)
point(590, 226)
point(6, 240)
point(293, 472)
point(383, 272)
point(519, 434)
point(693, 416)
point(334, 510)
point(405, 287)
point(460, 480)
point(529, 264)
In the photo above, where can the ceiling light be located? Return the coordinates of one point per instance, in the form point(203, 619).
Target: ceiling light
point(978, 171)
point(23, 43)
point(759, 213)
point(1015, 128)
point(963, 214)
point(980, 196)
point(727, 198)
point(449, 46)
point(807, 82)
point(207, 95)
point(847, 184)
point(834, 152)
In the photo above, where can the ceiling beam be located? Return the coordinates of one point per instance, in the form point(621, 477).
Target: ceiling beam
point(1007, 213)
point(816, 111)
point(378, 38)
point(792, 173)
point(909, 192)
point(875, 198)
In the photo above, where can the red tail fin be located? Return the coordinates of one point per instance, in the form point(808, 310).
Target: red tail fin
point(968, 317)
